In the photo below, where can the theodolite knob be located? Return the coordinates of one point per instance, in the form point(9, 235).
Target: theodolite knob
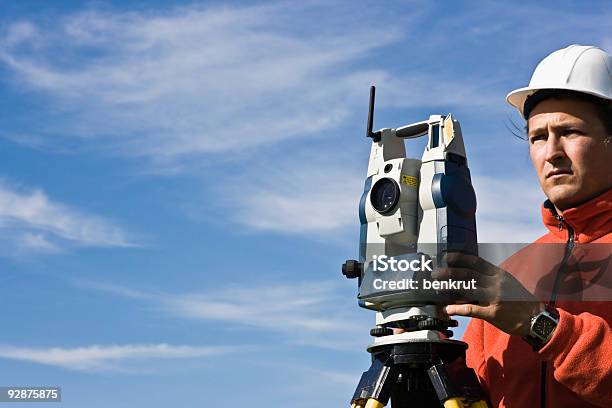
point(352, 269)
point(429, 324)
point(380, 331)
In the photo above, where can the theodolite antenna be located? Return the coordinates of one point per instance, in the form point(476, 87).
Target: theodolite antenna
point(374, 135)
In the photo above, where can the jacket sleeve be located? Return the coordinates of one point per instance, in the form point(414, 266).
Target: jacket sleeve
point(474, 356)
point(580, 352)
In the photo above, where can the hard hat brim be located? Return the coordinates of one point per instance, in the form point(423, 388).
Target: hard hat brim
point(518, 97)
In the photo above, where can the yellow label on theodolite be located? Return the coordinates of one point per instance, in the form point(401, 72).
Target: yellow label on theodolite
point(410, 181)
point(449, 130)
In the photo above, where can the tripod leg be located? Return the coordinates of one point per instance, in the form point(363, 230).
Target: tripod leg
point(457, 385)
point(458, 403)
point(454, 403)
point(372, 403)
point(376, 384)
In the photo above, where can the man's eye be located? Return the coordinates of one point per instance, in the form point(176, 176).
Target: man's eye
point(537, 138)
point(573, 132)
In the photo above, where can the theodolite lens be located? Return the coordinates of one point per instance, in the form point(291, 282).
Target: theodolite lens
point(385, 195)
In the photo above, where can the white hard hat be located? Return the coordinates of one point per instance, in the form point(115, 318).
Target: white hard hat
point(578, 68)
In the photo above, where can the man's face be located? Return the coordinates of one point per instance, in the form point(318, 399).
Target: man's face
point(568, 150)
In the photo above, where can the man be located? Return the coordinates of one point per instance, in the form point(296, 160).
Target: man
point(541, 334)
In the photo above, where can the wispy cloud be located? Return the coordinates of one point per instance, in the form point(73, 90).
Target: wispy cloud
point(113, 289)
point(297, 195)
point(105, 358)
point(325, 376)
point(303, 306)
point(200, 80)
point(194, 79)
point(305, 313)
point(508, 209)
point(30, 220)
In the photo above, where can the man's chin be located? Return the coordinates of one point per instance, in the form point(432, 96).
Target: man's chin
point(563, 196)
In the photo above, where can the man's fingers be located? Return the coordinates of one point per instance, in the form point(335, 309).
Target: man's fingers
point(463, 260)
point(465, 275)
point(478, 295)
point(467, 310)
point(454, 273)
point(460, 260)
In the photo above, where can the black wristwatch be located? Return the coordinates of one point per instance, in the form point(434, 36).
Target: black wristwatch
point(542, 327)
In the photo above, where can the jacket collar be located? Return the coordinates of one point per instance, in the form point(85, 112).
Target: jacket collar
point(589, 221)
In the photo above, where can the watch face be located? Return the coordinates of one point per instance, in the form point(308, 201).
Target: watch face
point(544, 326)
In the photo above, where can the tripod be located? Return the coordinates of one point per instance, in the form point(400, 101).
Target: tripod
point(419, 373)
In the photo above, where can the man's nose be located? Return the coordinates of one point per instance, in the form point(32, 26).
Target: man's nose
point(554, 148)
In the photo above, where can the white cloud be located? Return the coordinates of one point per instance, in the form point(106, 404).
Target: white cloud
point(101, 358)
point(32, 221)
point(113, 289)
point(305, 307)
point(508, 210)
point(193, 80)
point(20, 32)
point(293, 197)
point(37, 242)
point(304, 313)
point(197, 80)
point(327, 376)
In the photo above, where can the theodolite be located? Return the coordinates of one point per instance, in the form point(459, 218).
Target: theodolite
point(412, 212)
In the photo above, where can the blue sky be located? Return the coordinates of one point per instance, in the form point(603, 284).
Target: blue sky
point(179, 181)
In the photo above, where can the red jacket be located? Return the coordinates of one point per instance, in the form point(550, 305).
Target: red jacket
point(574, 369)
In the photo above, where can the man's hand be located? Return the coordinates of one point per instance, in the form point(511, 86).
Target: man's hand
point(503, 301)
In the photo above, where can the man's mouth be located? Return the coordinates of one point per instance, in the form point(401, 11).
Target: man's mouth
point(557, 172)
